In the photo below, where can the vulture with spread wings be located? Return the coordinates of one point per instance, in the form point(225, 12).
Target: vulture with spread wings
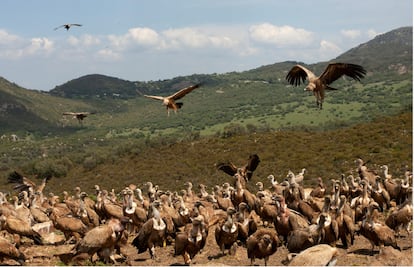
point(318, 85)
point(169, 101)
point(78, 115)
point(67, 26)
point(246, 171)
point(23, 183)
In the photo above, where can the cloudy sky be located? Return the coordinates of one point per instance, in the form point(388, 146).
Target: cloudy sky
point(161, 39)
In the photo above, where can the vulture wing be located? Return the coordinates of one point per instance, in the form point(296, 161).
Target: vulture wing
point(155, 97)
point(95, 239)
point(335, 70)
point(298, 75)
point(252, 165)
point(183, 92)
point(181, 241)
point(69, 113)
point(228, 168)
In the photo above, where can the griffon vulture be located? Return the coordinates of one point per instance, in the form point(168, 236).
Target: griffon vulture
point(169, 101)
point(78, 115)
point(318, 85)
point(246, 171)
point(67, 26)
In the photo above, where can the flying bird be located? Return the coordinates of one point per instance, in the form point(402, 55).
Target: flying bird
point(79, 115)
point(67, 26)
point(318, 85)
point(245, 171)
point(169, 101)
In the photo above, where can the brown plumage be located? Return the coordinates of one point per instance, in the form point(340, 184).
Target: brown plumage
point(287, 219)
point(8, 250)
point(319, 190)
point(377, 233)
point(72, 227)
point(78, 115)
point(25, 184)
point(245, 171)
point(20, 227)
point(262, 244)
point(152, 232)
point(191, 241)
point(101, 239)
point(319, 255)
point(246, 224)
point(169, 101)
point(318, 85)
point(401, 217)
point(226, 233)
point(303, 238)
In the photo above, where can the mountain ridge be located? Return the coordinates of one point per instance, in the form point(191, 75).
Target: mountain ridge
point(387, 57)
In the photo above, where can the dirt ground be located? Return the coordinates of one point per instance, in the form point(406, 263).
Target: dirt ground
point(357, 255)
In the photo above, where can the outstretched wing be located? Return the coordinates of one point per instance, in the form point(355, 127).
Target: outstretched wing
point(59, 27)
point(183, 92)
point(335, 70)
point(75, 24)
point(252, 164)
point(155, 97)
point(228, 168)
point(298, 75)
point(69, 113)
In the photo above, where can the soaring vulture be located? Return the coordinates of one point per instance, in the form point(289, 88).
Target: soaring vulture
point(67, 26)
point(246, 171)
point(318, 85)
point(169, 101)
point(79, 115)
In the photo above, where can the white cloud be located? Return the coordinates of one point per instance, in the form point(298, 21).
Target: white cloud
point(143, 36)
point(353, 34)
point(84, 41)
point(372, 33)
point(39, 45)
point(328, 50)
point(7, 38)
point(280, 35)
point(107, 54)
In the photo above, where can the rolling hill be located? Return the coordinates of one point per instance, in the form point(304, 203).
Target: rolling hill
point(259, 97)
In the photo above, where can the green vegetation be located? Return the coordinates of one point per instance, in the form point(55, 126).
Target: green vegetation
point(130, 139)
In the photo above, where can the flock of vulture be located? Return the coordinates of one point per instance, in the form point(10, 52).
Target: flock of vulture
point(307, 221)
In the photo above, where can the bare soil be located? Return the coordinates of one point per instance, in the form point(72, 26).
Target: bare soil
point(358, 254)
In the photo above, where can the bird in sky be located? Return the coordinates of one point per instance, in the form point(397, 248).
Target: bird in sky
point(78, 115)
point(169, 101)
point(67, 26)
point(318, 85)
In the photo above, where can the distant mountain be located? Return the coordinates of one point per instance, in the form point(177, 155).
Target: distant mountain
point(256, 94)
point(391, 51)
point(96, 85)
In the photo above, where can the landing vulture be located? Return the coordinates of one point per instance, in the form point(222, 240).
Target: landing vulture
point(67, 26)
point(169, 101)
point(246, 171)
point(318, 85)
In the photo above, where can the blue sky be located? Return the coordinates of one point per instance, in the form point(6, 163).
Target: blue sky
point(162, 39)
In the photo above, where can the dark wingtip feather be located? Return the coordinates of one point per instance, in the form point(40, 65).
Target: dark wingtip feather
point(15, 177)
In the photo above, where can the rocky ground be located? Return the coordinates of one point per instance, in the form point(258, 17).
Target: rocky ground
point(357, 255)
